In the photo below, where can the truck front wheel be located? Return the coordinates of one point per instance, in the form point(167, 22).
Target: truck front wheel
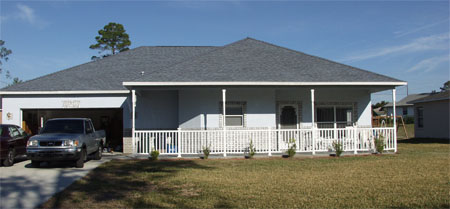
point(9, 161)
point(80, 162)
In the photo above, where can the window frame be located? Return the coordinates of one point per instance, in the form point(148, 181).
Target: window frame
point(420, 119)
point(405, 111)
point(241, 105)
point(335, 122)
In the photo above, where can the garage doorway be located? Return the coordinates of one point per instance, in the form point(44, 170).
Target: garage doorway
point(110, 120)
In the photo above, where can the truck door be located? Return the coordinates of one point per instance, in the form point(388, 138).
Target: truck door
point(90, 137)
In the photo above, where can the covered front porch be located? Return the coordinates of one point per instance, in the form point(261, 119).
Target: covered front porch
point(184, 121)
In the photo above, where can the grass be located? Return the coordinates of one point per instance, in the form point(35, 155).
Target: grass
point(416, 177)
point(401, 132)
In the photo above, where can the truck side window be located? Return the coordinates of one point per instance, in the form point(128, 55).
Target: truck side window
point(14, 132)
point(22, 132)
point(88, 127)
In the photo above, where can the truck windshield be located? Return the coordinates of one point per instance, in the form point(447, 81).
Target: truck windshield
point(63, 126)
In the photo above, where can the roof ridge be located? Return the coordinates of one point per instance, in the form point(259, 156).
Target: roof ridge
point(179, 46)
point(354, 68)
point(198, 56)
point(71, 68)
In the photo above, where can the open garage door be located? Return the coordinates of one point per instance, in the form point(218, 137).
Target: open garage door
point(110, 120)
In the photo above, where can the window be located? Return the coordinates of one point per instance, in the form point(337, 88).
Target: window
point(63, 126)
point(234, 114)
point(344, 116)
point(13, 132)
point(405, 111)
point(420, 117)
point(88, 127)
point(327, 116)
point(288, 116)
point(22, 132)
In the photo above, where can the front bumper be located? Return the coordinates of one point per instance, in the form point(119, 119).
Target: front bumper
point(53, 154)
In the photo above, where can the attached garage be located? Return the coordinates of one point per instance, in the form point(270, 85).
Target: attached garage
point(109, 111)
point(108, 119)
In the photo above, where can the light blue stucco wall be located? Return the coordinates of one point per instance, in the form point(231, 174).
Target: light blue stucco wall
point(157, 110)
point(200, 107)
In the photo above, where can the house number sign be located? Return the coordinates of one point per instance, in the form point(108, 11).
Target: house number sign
point(71, 104)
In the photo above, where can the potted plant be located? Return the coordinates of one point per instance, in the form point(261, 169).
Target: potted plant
point(206, 151)
point(154, 154)
point(251, 150)
point(291, 149)
point(338, 148)
point(379, 145)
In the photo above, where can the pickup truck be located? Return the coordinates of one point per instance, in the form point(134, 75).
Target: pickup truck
point(66, 139)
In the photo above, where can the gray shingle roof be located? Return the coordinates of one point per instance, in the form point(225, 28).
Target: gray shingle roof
point(445, 95)
point(247, 60)
point(250, 60)
point(405, 101)
point(110, 72)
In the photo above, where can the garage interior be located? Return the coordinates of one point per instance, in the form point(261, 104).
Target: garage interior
point(110, 120)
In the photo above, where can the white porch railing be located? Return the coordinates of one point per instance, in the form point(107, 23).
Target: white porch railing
point(179, 142)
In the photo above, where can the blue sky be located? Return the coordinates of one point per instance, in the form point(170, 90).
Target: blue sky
point(402, 39)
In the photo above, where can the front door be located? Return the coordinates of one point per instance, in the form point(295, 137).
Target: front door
point(288, 116)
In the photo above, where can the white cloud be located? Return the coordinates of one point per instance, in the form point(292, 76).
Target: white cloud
point(27, 14)
point(434, 42)
point(429, 64)
point(415, 30)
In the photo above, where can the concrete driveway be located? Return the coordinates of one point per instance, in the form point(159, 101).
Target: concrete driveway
point(22, 186)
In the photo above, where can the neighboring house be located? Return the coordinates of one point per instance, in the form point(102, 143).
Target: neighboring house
point(180, 99)
point(403, 107)
point(432, 116)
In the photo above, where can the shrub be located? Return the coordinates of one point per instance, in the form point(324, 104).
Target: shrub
point(251, 149)
point(206, 152)
point(408, 120)
point(154, 155)
point(338, 148)
point(379, 144)
point(292, 148)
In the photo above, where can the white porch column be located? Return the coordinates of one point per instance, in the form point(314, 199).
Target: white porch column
point(224, 92)
point(395, 119)
point(313, 127)
point(179, 141)
point(133, 122)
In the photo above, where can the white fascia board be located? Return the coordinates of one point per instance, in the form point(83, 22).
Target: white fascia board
point(64, 92)
point(265, 83)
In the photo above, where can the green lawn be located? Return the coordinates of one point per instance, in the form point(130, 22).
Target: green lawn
point(418, 176)
point(409, 129)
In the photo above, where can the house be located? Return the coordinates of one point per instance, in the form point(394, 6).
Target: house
point(180, 99)
point(404, 108)
point(432, 115)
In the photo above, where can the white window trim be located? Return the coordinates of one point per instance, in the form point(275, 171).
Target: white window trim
point(242, 104)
